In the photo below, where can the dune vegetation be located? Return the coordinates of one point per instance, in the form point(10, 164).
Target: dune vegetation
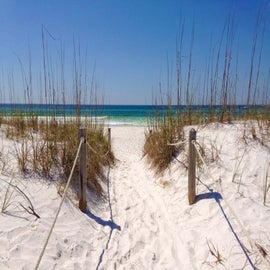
point(44, 142)
point(218, 99)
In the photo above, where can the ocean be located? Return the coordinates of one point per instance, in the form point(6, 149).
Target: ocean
point(134, 115)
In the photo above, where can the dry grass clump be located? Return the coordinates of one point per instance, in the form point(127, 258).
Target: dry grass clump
point(3, 161)
point(163, 131)
point(257, 127)
point(14, 197)
point(262, 133)
point(266, 184)
point(49, 148)
point(6, 200)
point(99, 155)
point(215, 253)
point(19, 125)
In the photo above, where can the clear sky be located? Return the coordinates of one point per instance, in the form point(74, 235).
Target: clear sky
point(130, 45)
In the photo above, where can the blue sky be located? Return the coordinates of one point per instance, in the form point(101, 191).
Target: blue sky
point(130, 45)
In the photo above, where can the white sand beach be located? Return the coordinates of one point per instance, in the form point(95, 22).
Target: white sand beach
point(146, 222)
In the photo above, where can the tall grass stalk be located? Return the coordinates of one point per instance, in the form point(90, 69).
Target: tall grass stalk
point(3, 161)
point(22, 155)
point(188, 94)
point(253, 53)
point(7, 199)
point(48, 146)
point(266, 184)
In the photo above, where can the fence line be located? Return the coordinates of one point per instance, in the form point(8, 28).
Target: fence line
point(95, 152)
point(251, 241)
point(109, 148)
point(196, 144)
point(60, 206)
point(177, 143)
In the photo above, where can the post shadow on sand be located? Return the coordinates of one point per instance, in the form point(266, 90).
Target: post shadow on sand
point(102, 222)
point(217, 197)
point(110, 223)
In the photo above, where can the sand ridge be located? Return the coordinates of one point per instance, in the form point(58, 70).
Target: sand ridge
point(146, 223)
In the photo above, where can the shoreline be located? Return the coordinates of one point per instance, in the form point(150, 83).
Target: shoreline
point(102, 120)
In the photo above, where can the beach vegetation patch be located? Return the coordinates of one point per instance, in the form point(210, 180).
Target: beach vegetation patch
point(161, 140)
point(49, 147)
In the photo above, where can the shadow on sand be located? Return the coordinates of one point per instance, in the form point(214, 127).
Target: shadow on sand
point(104, 223)
point(110, 223)
point(217, 197)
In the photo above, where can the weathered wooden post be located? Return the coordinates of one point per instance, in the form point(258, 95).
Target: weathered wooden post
point(83, 171)
point(109, 137)
point(192, 167)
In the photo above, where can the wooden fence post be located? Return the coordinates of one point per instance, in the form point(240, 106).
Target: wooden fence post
point(109, 137)
point(192, 167)
point(83, 171)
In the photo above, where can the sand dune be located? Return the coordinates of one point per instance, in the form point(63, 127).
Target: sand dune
point(146, 223)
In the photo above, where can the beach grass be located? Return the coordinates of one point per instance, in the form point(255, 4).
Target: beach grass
point(163, 132)
point(49, 148)
point(219, 95)
point(45, 137)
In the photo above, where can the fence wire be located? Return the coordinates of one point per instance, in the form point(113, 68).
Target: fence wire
point(177, 143)
point(96, 152)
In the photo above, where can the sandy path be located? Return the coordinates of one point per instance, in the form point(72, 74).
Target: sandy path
point(145, 224)
point(148, 238)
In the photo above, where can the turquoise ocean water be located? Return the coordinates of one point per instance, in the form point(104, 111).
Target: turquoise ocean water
point(135, 115)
